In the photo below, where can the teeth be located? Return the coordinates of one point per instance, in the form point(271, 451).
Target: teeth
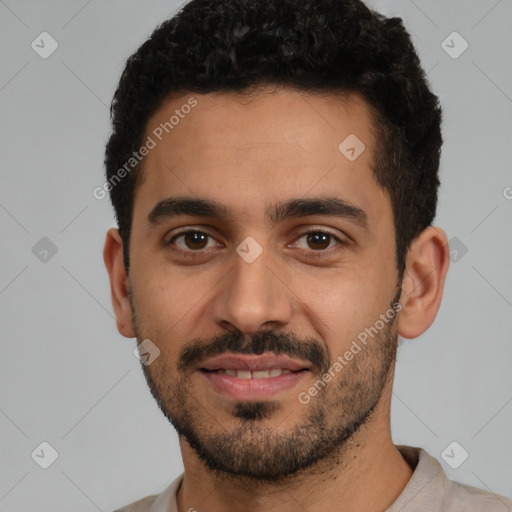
point(256, 374)
point(261, 374)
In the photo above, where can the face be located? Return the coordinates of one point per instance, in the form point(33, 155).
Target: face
point(261, 250)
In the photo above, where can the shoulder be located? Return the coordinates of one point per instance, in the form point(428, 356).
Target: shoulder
point(143, 505)
point(430, 489)
point(465, 498)
point(163, 502)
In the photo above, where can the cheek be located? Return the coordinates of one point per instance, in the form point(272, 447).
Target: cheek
point(344, 303)
point(166, 296)
point(162, 307)
point(173, 306)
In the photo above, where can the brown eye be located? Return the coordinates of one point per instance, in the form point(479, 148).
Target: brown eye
point(191, 240)
point(195, 240)
point(319, 240)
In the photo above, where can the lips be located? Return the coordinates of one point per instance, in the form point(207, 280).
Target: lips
point(253, 377)
point(254, 366)
point(256, 374)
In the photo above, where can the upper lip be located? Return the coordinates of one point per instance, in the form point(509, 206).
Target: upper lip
point(253, 362)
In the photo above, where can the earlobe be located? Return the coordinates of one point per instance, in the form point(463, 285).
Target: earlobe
point(427, 264)
point(113, 258)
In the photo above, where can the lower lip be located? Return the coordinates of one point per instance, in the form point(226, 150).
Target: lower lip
point(244, 389)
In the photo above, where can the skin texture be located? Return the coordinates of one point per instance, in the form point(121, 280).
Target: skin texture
point(249, 155)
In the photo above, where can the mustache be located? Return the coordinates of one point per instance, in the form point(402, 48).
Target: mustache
point(198, 351)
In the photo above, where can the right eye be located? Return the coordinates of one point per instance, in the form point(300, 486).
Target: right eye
point(191, 240)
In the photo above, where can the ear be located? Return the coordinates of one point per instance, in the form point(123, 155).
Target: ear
point(427, 263)
point(119, 284)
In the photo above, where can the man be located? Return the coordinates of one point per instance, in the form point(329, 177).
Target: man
point(274, 171)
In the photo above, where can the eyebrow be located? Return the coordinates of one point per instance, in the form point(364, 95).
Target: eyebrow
point(293, 208)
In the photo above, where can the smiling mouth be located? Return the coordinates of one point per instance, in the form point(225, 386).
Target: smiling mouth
point(254, 374)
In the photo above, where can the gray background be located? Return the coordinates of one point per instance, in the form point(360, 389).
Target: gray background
point(68, 378)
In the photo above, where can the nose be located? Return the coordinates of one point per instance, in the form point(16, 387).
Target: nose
point(252, 296)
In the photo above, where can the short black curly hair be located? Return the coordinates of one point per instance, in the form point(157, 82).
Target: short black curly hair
point(316, 46)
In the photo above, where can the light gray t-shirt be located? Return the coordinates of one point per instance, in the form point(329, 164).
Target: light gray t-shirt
point(428, 490)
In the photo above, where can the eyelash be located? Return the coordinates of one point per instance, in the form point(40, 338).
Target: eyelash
point(310, 254)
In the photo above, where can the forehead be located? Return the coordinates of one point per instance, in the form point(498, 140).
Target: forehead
point(251, 152)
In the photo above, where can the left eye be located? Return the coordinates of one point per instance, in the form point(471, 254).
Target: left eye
point(318, 240)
